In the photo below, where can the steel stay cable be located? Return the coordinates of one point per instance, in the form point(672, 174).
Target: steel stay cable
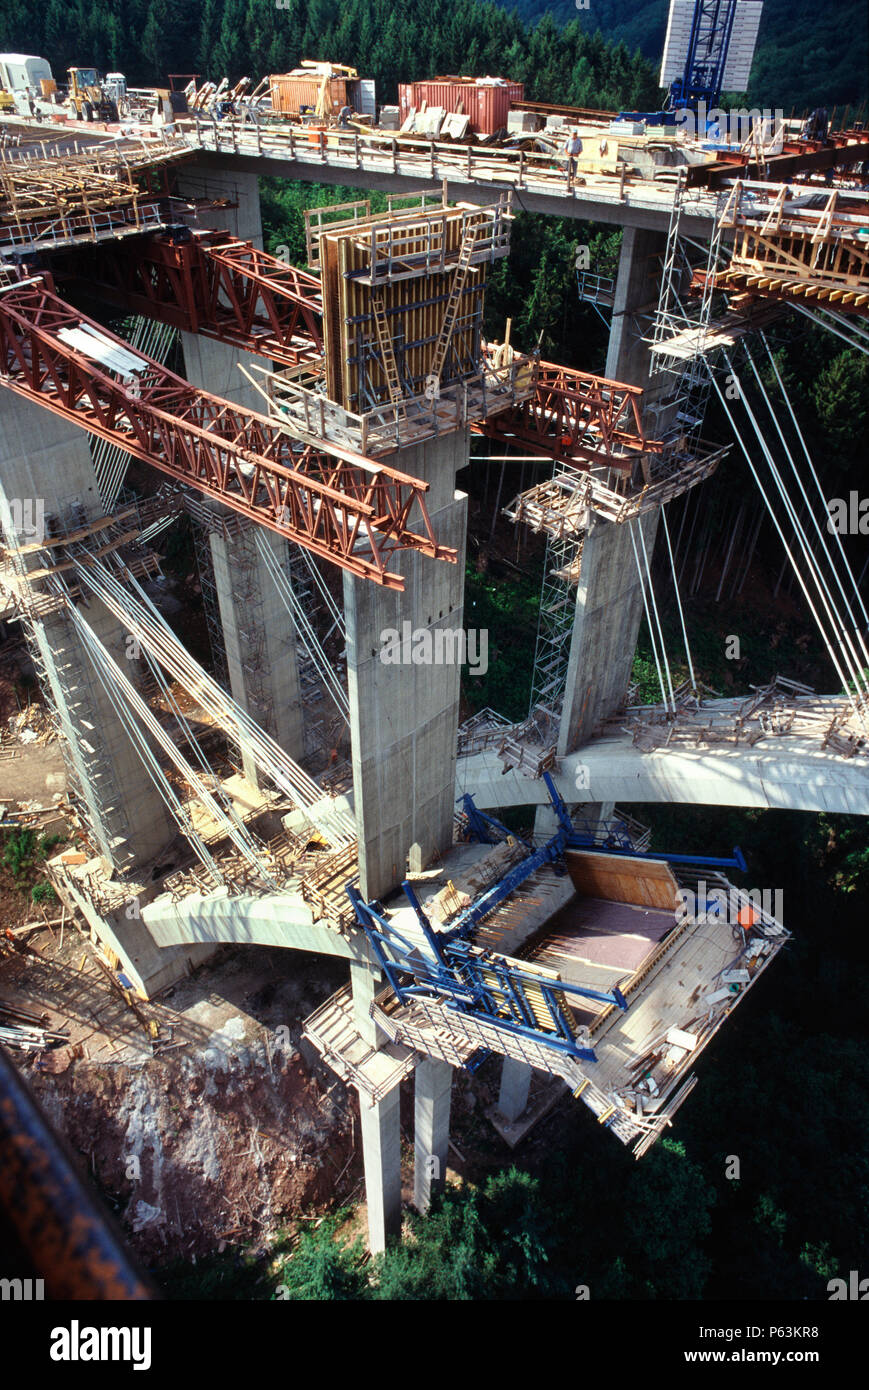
point(142, 747)
point(238, 832)
point(679, 600)
point(301, 620)
point(629, 525)
point(138, 614)
point(817, 482)
point(856, 660)
point(657, 616)
point(146, 717)
point(818, 580)
point(777, 524)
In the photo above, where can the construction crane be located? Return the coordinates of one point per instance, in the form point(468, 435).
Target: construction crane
point(702, 76)
point(709, 48)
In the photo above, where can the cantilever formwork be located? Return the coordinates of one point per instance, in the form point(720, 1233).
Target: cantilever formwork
point(403, 298)
point(618, 994)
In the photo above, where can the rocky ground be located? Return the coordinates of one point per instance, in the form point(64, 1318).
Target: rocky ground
point(223, 1129)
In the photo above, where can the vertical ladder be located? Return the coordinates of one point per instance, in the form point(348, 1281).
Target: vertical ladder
point(387, 352)
point(469, 241)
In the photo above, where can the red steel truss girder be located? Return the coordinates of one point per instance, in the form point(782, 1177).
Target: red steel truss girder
point(212, 284)
point(575, 416)
point(345, 509)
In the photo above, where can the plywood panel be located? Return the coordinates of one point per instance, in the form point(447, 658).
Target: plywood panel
point(618, 878)
point(414, 301)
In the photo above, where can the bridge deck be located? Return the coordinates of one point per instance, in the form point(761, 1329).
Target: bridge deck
point(780, 772)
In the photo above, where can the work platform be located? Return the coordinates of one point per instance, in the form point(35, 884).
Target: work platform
point(621, 985)
point(302, 407)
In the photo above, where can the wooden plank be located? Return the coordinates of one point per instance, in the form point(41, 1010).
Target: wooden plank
point(622, 878)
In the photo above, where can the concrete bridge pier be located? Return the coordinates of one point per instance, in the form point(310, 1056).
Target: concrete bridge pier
point(381, 1157)
point(433, 1088)
point(258, 633)
point(515, 1085)
point(404, 714)
point(46, 472)
point(259, 636)
point(609, 599)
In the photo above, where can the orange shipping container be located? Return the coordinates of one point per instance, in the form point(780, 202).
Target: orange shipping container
point(290, 92)
point(485, 103)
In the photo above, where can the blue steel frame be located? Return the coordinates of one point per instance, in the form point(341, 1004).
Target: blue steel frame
point(479, 823)
point(578, 839)
point(703, 74)
point(705, 61)
point(457, 975)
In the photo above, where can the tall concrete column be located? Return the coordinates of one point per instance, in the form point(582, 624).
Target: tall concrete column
point(515, 1084)
point(609, 599)
point(46, 471)
point(404, 717)
point(258, 632)
point(381, 1156)
point(365, 981)
point(634, 304)
point(609, 608)
point(259, 636)
point(432, 1090)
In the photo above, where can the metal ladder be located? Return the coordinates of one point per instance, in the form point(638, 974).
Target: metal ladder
point(387, 352)
point(469, 242)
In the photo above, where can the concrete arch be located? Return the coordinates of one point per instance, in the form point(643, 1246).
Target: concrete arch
point(275, 919)
point(781, 773)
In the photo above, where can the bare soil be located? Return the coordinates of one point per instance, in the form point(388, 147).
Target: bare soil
point(221, 1131)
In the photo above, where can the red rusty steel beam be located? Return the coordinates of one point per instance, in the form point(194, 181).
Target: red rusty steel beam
point(576, 417)
point(797, 156)
point(211, 284)
point(221, 287)
point(65, 1232)
point(338, 508)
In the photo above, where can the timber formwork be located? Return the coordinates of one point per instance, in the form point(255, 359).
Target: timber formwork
point(796, 244)
point(63, 199)
point(402, 300)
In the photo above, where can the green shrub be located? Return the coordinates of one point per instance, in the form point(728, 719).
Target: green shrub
point(19, 854)
point(43, 892)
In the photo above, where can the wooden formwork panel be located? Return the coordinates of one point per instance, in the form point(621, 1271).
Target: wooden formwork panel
point(414, 305)
point(619, 878)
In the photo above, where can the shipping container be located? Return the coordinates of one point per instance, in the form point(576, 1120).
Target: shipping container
point(290, 91)
point(484, 100)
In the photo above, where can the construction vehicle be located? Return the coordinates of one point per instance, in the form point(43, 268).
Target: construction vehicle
point(115, 89)
point(89, 98)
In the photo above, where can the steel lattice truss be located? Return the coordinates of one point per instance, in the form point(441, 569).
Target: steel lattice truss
point(345, 508)
point(209, 283)
point(227, 289)
point(576, 417)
